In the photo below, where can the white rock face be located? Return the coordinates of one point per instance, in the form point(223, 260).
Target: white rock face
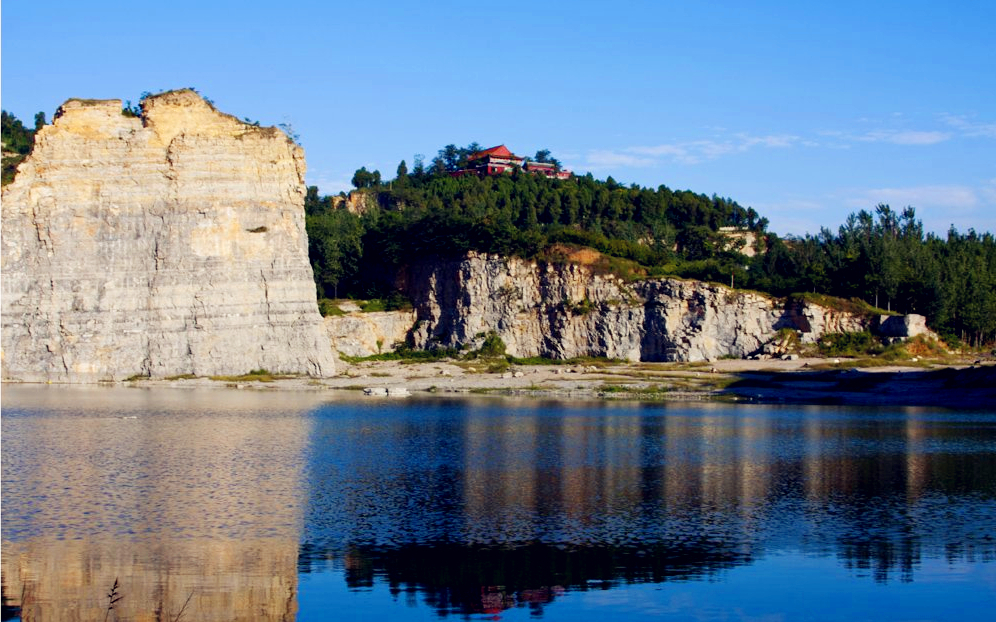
point(366, 334)
point(903, 326)
point(565, 311)
point(163, 245)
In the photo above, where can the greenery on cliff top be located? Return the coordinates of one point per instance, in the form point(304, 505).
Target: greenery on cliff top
point(18, 141)
point(879, 258)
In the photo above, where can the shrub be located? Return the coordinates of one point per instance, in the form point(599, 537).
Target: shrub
point(394, 302)
point(329, 307)
point(493, 346)
point(849, 344)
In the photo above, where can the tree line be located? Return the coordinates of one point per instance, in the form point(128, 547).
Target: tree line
point(884, 258)
point(881, 257)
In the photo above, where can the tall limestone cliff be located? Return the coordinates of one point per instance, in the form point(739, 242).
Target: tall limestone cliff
point(168, 244)
point(565, 311)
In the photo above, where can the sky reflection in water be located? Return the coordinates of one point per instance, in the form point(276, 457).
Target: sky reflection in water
point(246, 505)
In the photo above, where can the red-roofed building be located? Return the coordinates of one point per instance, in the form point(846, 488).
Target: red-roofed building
point(547, 169)
point(494, 161)
point(498, 160)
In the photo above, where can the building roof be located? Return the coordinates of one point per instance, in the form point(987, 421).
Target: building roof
point(501, 151)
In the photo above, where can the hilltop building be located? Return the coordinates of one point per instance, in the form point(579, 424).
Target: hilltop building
point(499, 160)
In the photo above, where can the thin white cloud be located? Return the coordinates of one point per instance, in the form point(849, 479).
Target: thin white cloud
point(954, 197)
point(937, 206)
point(603, 158)
point(969, 127)
point(773, 141)
point(661, 150)
point(688, 152)
point(904, 137)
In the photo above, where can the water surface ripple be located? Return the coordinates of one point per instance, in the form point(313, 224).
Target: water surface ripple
point(256, 505)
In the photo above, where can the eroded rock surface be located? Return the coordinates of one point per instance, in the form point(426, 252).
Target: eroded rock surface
point(168, 244)
point(565, 311)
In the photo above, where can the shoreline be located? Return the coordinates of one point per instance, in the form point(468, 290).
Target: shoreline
point(815, 381)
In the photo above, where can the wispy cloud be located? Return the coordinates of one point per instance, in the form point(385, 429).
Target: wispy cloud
point(970, 127)
point(895, 137)
point(938, 206)
point(687, 152)
point(906, 137)
point(604, 158)
point(894, 130)
point(939, 196)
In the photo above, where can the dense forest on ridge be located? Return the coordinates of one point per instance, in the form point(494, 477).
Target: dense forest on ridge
point(881, 257)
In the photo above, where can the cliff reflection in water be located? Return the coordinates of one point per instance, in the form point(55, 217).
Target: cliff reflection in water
point(483, 507)
point(192, 501)
point(226, 497)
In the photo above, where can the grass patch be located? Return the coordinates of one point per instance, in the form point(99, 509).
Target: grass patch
point(869, 361)
point(328, 307)
point(923, 346)
point(919, 351)
point(849, 344)
point(854, 305)
point(86, 101)
point(181, 377)
point(255, 375)
point(395, 302)
point(137, 377)
point(693, 365)
point(617, 388)
point(405, 355)
point(642, 392)
point(593, 361)
point(498, 366)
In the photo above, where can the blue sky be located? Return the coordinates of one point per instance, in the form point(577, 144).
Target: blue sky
point(805, 111)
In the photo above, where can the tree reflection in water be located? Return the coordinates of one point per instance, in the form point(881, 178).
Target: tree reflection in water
point(464, 579)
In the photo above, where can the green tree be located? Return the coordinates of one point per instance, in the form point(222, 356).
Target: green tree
point(543, 157)
point(335, 249)
point(363, 178)
point(18, 141)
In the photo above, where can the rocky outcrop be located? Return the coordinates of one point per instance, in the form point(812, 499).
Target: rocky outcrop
point(366, 334)
point(169, 244)
point(813, 321)
point(356, 202)
point(899, 327)
point(565, 311)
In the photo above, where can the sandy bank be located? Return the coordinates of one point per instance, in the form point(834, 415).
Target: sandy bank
point(801, 381)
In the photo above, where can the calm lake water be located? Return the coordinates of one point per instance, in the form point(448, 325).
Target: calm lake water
point(245, 505)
